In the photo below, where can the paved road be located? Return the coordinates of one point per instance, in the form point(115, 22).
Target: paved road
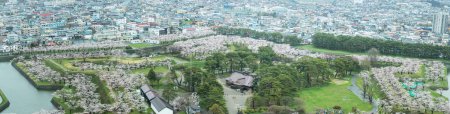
point(358, 92)
point(233, 98)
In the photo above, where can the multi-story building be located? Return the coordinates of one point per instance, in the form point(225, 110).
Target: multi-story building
point(31, 31)
point(440, 23)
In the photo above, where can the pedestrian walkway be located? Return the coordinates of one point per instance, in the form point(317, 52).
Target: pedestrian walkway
point(358, 92)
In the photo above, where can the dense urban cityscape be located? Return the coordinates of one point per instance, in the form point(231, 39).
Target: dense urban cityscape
point(224, 56)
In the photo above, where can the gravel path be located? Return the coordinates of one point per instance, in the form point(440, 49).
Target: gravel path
point(233, 98)
point(358, 92)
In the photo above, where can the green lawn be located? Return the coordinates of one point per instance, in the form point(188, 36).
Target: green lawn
point(336, 52)
point(332, 95)
point(140, 45)
point(232, 48)
point(198, 64)
point(436, 95)
point(145, 70)
point(419, 74)
point(439, 84)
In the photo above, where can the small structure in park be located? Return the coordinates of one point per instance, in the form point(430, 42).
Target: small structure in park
point(158, 105)
point(240, 81)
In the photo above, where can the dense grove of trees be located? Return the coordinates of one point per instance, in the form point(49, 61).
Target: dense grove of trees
point(239, 59)
point(274, 37)
point(277, 82)
point(209, 90)
point(363, 44)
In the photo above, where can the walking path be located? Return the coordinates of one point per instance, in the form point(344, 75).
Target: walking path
point(234, 99)
point(446, 93)
point(358, 92)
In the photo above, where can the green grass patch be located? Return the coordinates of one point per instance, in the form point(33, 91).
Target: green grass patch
point(198, 64)
point(141, 45)
point(335, 52)
point(436, 95)
point(102, 89)
point(331, 95)
point(55, 66)
point(232, 48)
point(67, 64)
point(144, 71)
point(418, 74)
point(438, 84)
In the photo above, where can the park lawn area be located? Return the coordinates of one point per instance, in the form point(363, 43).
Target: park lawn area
point(331, 95)
point(65, 64)
point(140, 45)
point(134, 60)
point(127, 60)
point(232, 48)
point(198, 64)
point(436, 95)
point(419, 74)
point(144, 71)
point(439, 84)
point(336, 52)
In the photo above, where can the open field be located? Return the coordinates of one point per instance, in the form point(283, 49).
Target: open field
point(146, 70)
point(332, 95)
point(336, 52)
point(141, 45)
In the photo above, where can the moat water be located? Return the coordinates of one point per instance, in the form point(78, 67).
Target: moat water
point(24, 97)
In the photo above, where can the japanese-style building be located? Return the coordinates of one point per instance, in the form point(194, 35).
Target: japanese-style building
point(158, 105)
point(240, 81)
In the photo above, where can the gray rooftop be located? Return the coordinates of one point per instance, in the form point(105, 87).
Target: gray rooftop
point(159, 104)
point(145, 88)
point(240, 79)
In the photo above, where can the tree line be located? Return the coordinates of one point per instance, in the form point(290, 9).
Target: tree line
point(387, 47)
point(275, 37)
